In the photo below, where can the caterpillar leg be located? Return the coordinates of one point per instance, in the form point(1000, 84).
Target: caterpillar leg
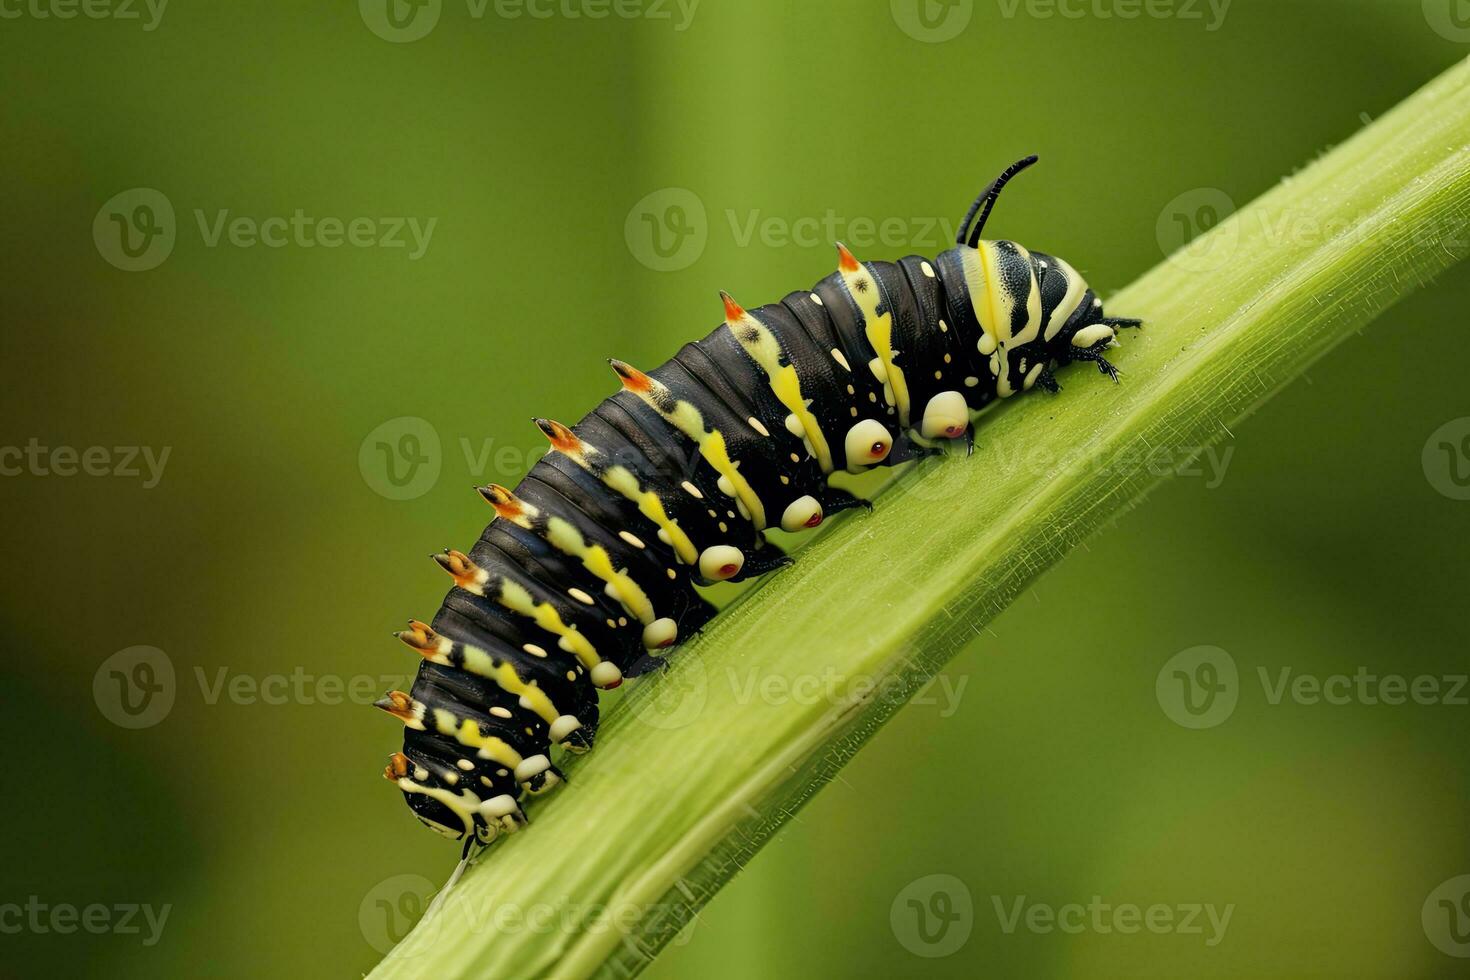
point(835, 500)
point(766, 558)
point(1094, 354)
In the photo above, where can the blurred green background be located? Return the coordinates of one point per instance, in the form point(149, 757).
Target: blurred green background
point(267, 561)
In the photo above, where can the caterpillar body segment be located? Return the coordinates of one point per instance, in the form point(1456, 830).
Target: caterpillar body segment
point(592, 564)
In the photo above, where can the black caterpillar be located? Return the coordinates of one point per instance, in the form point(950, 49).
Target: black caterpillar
point(592, 561)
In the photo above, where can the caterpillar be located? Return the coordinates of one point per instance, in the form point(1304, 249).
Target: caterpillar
point(591, 567)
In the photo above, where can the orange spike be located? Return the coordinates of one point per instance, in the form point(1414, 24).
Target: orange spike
point(633, 379)
point(562, 439)
point(397, 704)
point(421, 637)
point(397, 767)
point(733, 312)
point(845, 261)
point(506, 504)
point(457, 564)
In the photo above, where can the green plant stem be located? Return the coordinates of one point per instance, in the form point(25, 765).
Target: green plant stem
point(692, 776)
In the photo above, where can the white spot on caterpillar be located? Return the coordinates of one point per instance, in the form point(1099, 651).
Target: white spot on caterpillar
point(1090, 336)
point(465, 764)
point(755, 424)
point(632, 539)
point(533, 649)
point(867, 443)
point(801, 513)
point(927, 269)
point(660, 633)
point(692, 490)
point(838, 356)
point(606, 676)
point(971, 381)
point(945, 416)
point(533, 765)
point(816, 299)
point(581, 596)
point(500, 712)
point(564, 726)
point(943, 327)
point(720, 562)
point(498, 806)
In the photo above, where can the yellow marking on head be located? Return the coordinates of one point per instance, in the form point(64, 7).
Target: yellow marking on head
point(1076, 290)
point(878, 327)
